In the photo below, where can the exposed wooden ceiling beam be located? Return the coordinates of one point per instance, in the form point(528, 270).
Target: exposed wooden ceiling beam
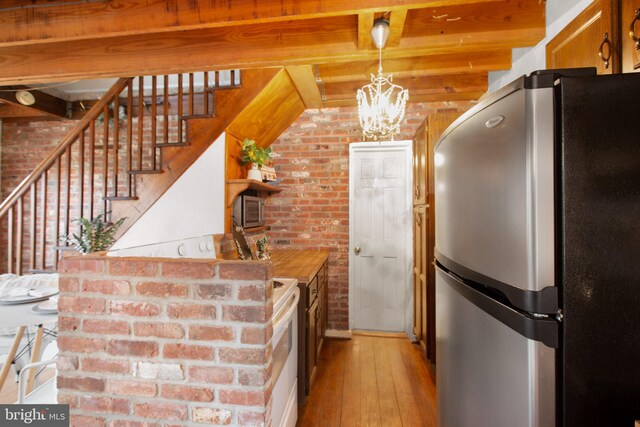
point(417, 66)
point(397, 20)
point(468, 20)
point(365, 22)
point(431, 97)
point(418, 86)
point(45, 104)
point(304, 79)
point(262, 45)
point(8, 111)
point(40, 21)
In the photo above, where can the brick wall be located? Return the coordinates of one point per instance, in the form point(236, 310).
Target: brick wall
point(312, 212)
point(148, 341)
point(26, 144)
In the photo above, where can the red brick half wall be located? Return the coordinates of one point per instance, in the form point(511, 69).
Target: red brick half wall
point(150, 341)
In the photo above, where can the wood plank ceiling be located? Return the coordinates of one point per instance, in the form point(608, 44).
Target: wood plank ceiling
point(440, 50)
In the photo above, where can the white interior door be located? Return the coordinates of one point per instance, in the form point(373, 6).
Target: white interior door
point(380, 236)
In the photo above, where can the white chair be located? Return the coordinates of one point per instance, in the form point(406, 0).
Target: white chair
point(9, 282)
point(46, 393)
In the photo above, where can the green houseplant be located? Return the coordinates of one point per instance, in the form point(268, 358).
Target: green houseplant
point(95, 234)
point(252, 153)
point(262, 246)
point(257, 156)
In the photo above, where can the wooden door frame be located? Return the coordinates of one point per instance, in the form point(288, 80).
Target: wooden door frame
point(381, 146)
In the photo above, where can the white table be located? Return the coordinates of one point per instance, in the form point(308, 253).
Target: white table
point(22, 316)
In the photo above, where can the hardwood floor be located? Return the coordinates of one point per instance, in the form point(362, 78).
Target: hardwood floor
point(9, 393)
point(371, 380)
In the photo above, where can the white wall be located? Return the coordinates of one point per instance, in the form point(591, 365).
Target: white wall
point(559, 14)
point(193, 206)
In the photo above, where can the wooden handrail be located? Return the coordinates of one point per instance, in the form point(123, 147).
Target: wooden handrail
point(92, 114)
point(94, 165)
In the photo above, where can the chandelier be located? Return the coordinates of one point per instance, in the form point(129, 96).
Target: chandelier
point(381, 103)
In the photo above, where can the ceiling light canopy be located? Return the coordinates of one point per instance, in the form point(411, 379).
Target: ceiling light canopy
point(381, 103)
point(25, 97)
point(380, 32)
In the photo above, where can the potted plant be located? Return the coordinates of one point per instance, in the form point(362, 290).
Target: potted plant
point(95, 234)
point(262, 245)
point(257, 156)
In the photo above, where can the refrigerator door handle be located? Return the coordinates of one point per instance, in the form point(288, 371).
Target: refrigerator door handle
point(546, 330)
point(542, 301)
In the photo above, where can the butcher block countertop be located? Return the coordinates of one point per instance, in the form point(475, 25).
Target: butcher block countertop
point(300, 264)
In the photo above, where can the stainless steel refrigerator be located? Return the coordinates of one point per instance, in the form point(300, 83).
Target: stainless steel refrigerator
point(538, 255)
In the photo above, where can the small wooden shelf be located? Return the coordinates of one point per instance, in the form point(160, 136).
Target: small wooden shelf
point(237, 186)
point(257, 229)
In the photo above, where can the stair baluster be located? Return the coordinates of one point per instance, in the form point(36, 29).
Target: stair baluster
point(94, 165)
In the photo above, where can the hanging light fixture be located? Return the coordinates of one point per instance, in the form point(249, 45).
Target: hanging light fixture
point(381, 103)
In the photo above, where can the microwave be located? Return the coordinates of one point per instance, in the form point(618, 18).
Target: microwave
point(248, 211)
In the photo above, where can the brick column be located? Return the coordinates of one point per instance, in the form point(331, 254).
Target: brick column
point(150, 341)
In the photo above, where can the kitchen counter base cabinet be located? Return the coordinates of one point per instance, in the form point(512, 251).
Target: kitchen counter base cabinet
point(311, 268)
point(312, 342)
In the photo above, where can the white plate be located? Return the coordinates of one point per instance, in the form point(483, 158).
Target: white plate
point(49, 306)
point(31, 295)
point(43, 292)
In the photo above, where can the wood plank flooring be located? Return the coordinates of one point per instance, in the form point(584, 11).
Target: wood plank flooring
point(9, 393)
point(371, 380)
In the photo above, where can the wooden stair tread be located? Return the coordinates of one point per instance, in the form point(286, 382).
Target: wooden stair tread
point(113, 198)
point(197, 116)
point(145, 171)
point(171, 144)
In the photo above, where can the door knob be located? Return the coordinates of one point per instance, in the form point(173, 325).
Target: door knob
point(356, 250)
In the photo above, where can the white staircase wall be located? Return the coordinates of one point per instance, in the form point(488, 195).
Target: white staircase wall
point(193, 206)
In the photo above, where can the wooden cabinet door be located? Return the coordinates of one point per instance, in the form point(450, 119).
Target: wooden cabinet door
point(419, 166)
point(325, 300)
point(311, 339)
point(424, 285)
point(418, 272)
point(589, 39)
point(630, 22)
point(437, 124)
point(320, 313)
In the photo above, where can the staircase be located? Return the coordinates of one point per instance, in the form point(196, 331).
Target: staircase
point(100, 165)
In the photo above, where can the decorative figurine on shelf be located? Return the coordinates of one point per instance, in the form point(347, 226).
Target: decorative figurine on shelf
point(263, 248)
point(242, 242)
point(257, 156)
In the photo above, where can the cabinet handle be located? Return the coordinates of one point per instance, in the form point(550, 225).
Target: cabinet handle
point(632, 29)
point(601, 53)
